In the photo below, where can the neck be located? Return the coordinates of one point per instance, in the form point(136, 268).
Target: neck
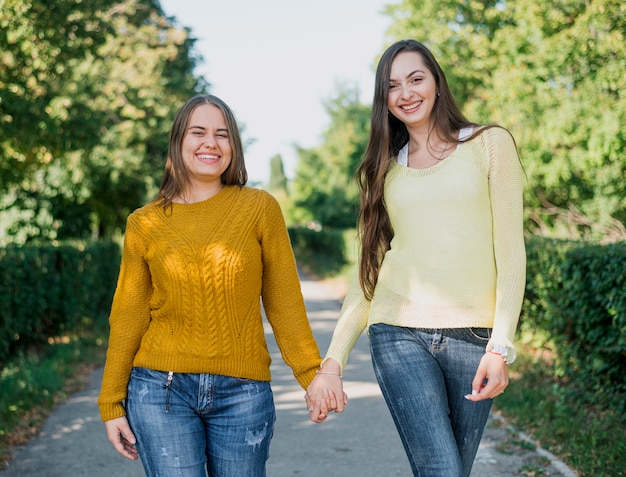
point(200, 192)
point(426, 148)
point(422, 135)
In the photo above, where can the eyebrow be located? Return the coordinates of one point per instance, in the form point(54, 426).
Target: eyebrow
point(411, 74)
point(204, 129)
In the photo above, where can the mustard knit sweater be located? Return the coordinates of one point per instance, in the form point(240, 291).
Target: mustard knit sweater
point(457, 258)
point(189, 293)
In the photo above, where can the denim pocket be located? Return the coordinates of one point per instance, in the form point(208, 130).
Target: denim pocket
point(243, 380)
point(481, 334)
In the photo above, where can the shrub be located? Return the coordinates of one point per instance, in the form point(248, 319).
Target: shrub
point(52, 289)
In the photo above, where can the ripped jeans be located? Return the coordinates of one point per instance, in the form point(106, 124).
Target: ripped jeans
point(193, 425)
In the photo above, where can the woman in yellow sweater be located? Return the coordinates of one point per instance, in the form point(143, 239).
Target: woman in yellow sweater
point(186, 383)
point(442, 265)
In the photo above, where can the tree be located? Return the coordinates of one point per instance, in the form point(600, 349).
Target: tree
point(278, 180)
point(88, 91)
point(324, 189)
point(39, 46)
point(278, 184)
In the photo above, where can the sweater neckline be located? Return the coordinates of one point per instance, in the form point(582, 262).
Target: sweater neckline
point(428, 170)
point(402, 158)
point(213, 201)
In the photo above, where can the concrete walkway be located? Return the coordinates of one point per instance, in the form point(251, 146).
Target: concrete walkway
point(361, 442)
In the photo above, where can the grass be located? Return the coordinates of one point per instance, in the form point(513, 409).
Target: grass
point(574, 425)
point(32, 384)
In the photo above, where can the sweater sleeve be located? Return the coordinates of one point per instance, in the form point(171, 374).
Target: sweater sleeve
point(351, 324)
point(506, 195)
point(129, 319)
point(282, 297)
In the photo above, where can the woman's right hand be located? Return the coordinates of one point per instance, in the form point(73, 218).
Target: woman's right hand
point(122, 438)
point(325, 393)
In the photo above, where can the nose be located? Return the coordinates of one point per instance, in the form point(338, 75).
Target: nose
point(405, 90)
point(210, 142)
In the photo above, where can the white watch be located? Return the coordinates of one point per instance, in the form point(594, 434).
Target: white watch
point(508, 353)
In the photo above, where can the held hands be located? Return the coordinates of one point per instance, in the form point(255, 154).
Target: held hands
point(122, 438)
point(492, 378)
point(325, 393)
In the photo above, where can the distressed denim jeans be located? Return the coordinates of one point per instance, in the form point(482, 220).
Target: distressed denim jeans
point(193, 425)
point(424, 376)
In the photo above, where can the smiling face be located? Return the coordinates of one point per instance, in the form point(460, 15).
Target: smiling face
point(412, 90)
point(206, 148)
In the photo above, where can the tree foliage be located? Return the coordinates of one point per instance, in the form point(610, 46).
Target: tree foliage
point(324, 189)
point(278, 180)
point(88, 91)
point(553, 73)
point(278, 184)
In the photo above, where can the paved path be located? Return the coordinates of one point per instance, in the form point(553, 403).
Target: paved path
point(361, 442)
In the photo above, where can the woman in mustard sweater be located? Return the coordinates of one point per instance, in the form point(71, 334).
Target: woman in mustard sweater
point(186, 383)
point(442, 267)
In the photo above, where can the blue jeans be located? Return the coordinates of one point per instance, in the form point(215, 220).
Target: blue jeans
point(424, 376)
point(200, 424)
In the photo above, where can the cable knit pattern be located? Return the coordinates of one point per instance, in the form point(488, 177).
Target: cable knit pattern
point(189, 294)
point(457, 258)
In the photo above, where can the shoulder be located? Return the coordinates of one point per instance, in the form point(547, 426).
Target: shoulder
point(496, 140)
point(394, 168)
point(255, 195)
point(258, 202)
point(496, 134)
point(141, 224)
point(143, 221)
point(500, 149)
point(145, 212)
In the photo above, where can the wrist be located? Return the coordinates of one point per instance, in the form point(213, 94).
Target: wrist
point(329, 365)
point(329, 373)
point(507, 353)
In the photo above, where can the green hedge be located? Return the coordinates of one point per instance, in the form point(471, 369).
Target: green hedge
point(53, 289)
point(576, 302)
point(322, 252)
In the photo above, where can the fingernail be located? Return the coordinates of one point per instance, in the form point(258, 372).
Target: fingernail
point(474, 393)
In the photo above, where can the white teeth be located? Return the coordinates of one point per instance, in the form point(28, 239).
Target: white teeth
point(207, 156)
point(411, 106)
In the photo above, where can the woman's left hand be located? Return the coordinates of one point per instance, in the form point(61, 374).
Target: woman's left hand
point(325, 393)
point(492, 378)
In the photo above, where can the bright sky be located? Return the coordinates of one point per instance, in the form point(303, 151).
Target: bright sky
point(275, 62)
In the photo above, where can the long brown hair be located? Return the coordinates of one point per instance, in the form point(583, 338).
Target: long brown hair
point(176, 176)
point(387, 136)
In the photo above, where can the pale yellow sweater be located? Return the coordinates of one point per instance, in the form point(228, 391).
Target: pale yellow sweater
point(188, 297)
point(457, 258)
